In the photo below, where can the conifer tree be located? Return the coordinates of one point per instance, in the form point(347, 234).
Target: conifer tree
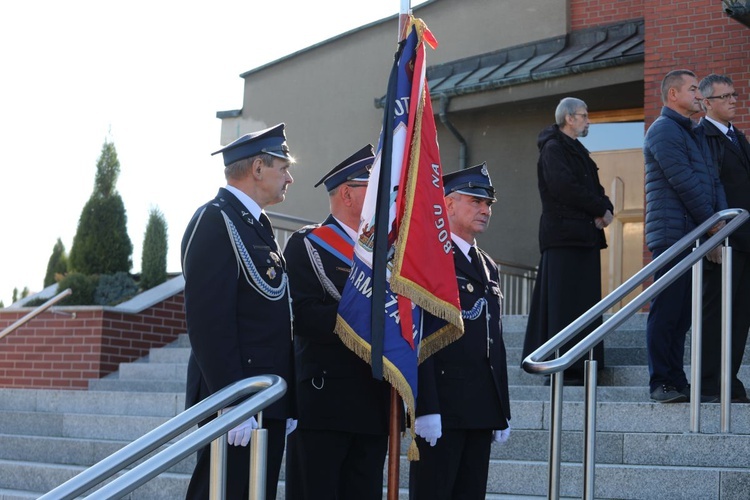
point(154, 256)
point(57, 265)
point(101, 244)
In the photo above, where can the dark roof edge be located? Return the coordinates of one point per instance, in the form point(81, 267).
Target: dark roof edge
point(330, 40)
point(232, 113)
point(541, 76)
point(740, 12)
point(534, 76)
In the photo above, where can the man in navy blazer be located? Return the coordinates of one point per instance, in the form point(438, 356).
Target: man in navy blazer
point(237, 301)
point(731, 155)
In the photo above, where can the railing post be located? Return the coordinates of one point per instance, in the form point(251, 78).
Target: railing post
point(217, 486)
point(589, 431)
point(696, 342)
point(258, 454)
point(726, 337)
point(555, 434)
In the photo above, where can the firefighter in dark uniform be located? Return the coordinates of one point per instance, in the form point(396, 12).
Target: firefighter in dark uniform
point(342, 436)
point(237, 301)
point(462, 402)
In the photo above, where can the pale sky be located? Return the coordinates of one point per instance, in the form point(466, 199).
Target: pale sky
point(149, 75)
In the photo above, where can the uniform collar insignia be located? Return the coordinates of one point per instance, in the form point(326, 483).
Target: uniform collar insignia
point(275, 258)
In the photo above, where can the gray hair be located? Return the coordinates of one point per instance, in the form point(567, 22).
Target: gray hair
point(567, 107)
point(241, 168)
point(673, 79)
point(706, 86)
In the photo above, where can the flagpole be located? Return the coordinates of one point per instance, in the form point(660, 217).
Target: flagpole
point(394, 436)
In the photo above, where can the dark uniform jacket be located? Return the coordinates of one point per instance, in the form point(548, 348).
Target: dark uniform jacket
point(466, 382)
point(236, 301)
point(572, 196)
point(733, 166)
point(682, 188)
point(335, 388)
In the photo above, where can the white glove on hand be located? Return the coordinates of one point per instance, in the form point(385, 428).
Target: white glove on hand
point(291, 424)
point(429, 427)
point(501, 436)
point(240, 435)
point(715, 255)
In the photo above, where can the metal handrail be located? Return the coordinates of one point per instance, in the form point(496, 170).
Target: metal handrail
point(534, 362)
point(273, 388)
point(32, 314)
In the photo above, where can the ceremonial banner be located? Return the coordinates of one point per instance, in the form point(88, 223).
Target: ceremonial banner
point(401, 304)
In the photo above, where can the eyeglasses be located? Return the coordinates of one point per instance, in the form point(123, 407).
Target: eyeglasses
point(724, 97)
point(584, 115)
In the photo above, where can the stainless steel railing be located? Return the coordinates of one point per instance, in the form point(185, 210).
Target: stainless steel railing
point(269, 388)
point(34, 313)
point(534, 363)
point(517, 283)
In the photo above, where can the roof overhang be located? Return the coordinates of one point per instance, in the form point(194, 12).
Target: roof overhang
point(617, 48)
point(739, 10)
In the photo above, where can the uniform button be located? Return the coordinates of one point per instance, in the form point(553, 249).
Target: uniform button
point(442, 372)
point(492, 341)
point(325, 372)
point(249, 361)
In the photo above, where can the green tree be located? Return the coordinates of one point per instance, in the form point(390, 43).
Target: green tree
point(154, 255)
point(82, 286)
point(101, 244)
point(57, 265)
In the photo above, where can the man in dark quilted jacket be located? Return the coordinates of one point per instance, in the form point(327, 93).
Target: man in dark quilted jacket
point(682, 191)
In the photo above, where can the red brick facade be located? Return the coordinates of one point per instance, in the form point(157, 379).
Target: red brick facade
point(64, 351)
point(590, 13)
point(697, 36)
point(694, 35)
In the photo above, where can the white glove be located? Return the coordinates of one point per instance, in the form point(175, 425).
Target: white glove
point(715, 255)
point(429, 427)
point(240, 435)
point(501, 436)
point(291, 424)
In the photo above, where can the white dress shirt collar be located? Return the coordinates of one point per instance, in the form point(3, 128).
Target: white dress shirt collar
point(249, 203)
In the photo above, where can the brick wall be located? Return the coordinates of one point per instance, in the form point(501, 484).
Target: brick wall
point(697, 36)
point(694, 35)
point(64, 350)
point(590, 13)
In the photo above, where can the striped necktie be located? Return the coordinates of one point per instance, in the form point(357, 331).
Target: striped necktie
point(733, 137)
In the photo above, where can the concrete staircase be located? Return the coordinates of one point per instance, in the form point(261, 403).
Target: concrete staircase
point(643, 449)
